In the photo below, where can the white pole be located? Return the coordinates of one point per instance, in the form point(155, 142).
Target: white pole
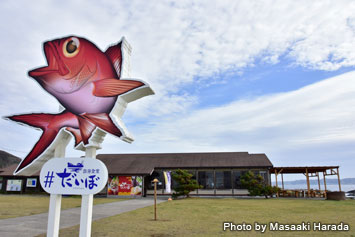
point(55, 201)
point(90, 152)
point(87, 202)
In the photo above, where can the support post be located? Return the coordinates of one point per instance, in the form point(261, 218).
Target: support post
point(282, 179)
point(308, 185)
point(55, 201)
point(277, 194)
point(325, 184)
point(87, 202)
point(155, 181)
point(318, 181)
point(339, 179)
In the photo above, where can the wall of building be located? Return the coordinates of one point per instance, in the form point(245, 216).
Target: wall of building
point(20, 184)
point(223, 182)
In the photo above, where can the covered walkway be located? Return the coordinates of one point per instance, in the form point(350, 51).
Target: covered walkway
point(309, 172)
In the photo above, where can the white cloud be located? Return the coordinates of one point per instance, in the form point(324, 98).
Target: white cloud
point(310, 126)
point(173, 42)
point(319, 113)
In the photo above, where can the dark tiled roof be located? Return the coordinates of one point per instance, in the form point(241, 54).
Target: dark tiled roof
point(7, 159)
point(145, 163)
point(302, 169)
point(9, 171)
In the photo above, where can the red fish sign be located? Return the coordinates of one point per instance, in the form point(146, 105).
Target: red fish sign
point(87, 83)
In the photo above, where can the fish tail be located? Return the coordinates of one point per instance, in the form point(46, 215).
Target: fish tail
point(46, 139)
point(50, 127)
point(86, 129)
point(34, 120)
point(103, 121)
point(76, 133)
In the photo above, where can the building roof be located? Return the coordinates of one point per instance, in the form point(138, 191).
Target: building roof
point(9, 171)
point(302, 169)
point(144, 164)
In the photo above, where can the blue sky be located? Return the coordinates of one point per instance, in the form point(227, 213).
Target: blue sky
point(275, 77)
point(259, 80)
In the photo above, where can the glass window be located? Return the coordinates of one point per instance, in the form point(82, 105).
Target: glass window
point(223, 180)
point(206, 179)
point(156, 175)
point(237, 174)
point(263, 174)
point(193, 172)
point(174, 184)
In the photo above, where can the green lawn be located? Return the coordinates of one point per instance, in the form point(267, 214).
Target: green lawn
point(24, 205)
point(205, 217)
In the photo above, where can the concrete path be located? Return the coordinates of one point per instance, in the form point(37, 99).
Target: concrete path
point(37, 224)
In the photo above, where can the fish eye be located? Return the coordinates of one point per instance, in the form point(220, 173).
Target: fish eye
point(71, 47)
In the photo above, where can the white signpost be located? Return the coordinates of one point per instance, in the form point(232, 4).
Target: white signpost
point(73, 176)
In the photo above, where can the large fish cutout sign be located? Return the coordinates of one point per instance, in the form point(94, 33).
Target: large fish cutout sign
point(88, 84)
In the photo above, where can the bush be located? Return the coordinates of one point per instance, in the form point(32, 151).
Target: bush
point(257, 186)
point(185, 183)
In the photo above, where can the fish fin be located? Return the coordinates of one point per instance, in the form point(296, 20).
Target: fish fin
point(104, 122)
point(35, 120)
point(114, 53)
point(86, 129)
point(113, 87)
point(76, 133)
point(47, 124)
point(46, 139)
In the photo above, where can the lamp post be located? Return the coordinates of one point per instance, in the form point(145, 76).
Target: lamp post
point(155, 181)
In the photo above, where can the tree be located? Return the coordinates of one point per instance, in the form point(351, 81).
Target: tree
point(185, 183)
point(257, 186)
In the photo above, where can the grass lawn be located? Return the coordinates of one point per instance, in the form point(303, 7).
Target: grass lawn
point(205, 217)
point(24, 205)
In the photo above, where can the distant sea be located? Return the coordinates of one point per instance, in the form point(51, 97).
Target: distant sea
point(331, 187)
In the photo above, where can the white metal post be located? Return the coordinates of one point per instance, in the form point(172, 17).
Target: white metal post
point(87, 202)
point(55, 201)
point(94, 144)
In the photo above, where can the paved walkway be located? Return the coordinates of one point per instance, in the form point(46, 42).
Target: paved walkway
point(37, 224)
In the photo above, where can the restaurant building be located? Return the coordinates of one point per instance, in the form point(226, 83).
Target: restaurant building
point(219, 173)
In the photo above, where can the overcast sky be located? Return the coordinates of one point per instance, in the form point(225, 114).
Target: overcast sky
point(273, 77)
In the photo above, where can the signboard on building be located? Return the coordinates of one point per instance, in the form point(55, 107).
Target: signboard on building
point(31, 182)
point(74, 176)
point(14, 185)
point(125, 185)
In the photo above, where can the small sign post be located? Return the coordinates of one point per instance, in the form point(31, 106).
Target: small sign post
point(55, 200)
point(87, 201)
point(73, 176)
point(155, 181)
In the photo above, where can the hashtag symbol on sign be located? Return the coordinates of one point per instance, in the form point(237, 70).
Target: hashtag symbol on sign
point(49, 179)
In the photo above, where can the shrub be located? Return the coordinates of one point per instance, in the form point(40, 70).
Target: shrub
point(257, 186)
point(185, 183)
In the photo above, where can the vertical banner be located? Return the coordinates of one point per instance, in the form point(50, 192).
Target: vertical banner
point(167, 177)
